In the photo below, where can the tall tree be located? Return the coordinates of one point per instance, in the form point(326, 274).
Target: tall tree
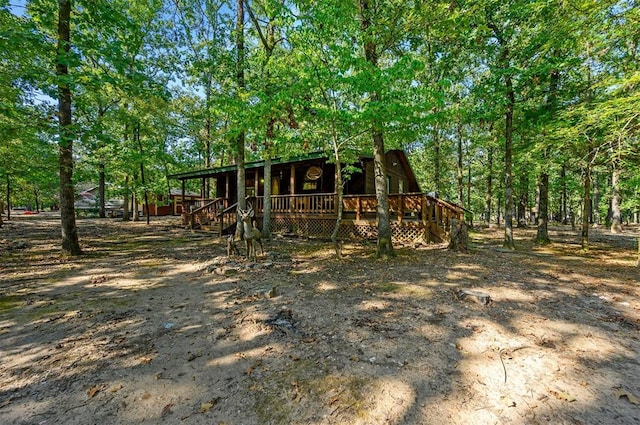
point(240, 138)
point(385, 245)
point(70, 243)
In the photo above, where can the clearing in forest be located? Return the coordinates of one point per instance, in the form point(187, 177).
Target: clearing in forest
point(154, 324)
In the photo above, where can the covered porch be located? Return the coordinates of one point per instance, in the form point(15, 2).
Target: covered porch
point(304, 199)
point(414, 216)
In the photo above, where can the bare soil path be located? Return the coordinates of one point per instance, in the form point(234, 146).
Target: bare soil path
point(154, 324)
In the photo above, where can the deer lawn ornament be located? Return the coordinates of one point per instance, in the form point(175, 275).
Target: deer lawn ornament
point(250, 232)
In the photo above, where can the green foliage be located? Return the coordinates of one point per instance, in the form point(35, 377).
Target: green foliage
point(154, 84)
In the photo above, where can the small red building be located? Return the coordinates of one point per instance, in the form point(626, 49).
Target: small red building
point(170, 204)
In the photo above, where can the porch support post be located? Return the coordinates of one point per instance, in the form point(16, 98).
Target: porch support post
point(182, 200)
point(400, 207)
point(423, 210)
point(292, 187)
point(292, 180)
point(226, 189)
point(256, 184)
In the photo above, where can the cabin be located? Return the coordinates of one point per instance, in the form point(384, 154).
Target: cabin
point(304, 199)
point(170, 204)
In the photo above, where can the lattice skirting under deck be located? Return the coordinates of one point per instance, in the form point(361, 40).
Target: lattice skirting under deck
point(405, 232)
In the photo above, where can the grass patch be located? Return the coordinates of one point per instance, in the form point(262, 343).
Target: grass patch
point(286, 396)
point(9, 302)
point(388, 287)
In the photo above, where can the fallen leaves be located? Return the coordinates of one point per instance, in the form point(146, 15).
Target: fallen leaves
point(166, 410)
point(95, 390)
point(632, 398)
point(146, 360)
point(562, 395)
point(208, 405)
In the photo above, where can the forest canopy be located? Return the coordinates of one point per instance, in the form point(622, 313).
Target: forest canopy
point(518, 111)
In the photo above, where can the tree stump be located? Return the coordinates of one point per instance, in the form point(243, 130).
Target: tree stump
point(459, 239)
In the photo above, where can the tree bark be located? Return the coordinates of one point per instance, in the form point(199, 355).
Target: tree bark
point(339, 195)
point(1, 210)
point(101, 191)
point(142, 178)
point(70, 243)
point(208, 136)
point(616, 215)
point(102, 213)
point(125, 204)
point(37, 198)
point(459, 169)
point(266, 212)
point(8, 198)
point(594, 211)
point(586, 207)
point(487, 194)
point(563, 188)
point(240, 82)
point(384, 245)
point(542, 236)
point(437, 180)
point(508, 153)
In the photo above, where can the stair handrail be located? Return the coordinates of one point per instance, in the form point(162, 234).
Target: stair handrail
point(207, 205)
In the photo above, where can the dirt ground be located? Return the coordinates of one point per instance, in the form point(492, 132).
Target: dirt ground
point(154, 324)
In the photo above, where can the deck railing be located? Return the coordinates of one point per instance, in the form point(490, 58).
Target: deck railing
point(434, 213)
point(317, 203)
point(203, 211)
point(403, 206)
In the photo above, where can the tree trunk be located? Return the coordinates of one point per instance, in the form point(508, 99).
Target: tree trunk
point(37, 198)
point(508, 184)
point(1, 211)
point(240, 82)
point(142, 178)
point(469, 187)
point(542, 236)
point(135, 207)
point(340, 195)
point(125, 204)
point(487, 194)
point(266, 217)
point(8, 198)
point(459, 236)
point(563, 188)
point(586, 207)
point(437, 183)
point(384, 245)
point(616, 215)
point(207, 142)
point(102, 213)
point(459, 169)
point(594, 212)
point(101, 190)
point(70, 243)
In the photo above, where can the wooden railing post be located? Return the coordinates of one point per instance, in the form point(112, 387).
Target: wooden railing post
point(358, 207)
point(400, 207)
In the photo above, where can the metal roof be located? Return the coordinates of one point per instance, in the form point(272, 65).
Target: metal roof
point(210, 172)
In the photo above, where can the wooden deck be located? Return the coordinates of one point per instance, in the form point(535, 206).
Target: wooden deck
point(414, 215)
